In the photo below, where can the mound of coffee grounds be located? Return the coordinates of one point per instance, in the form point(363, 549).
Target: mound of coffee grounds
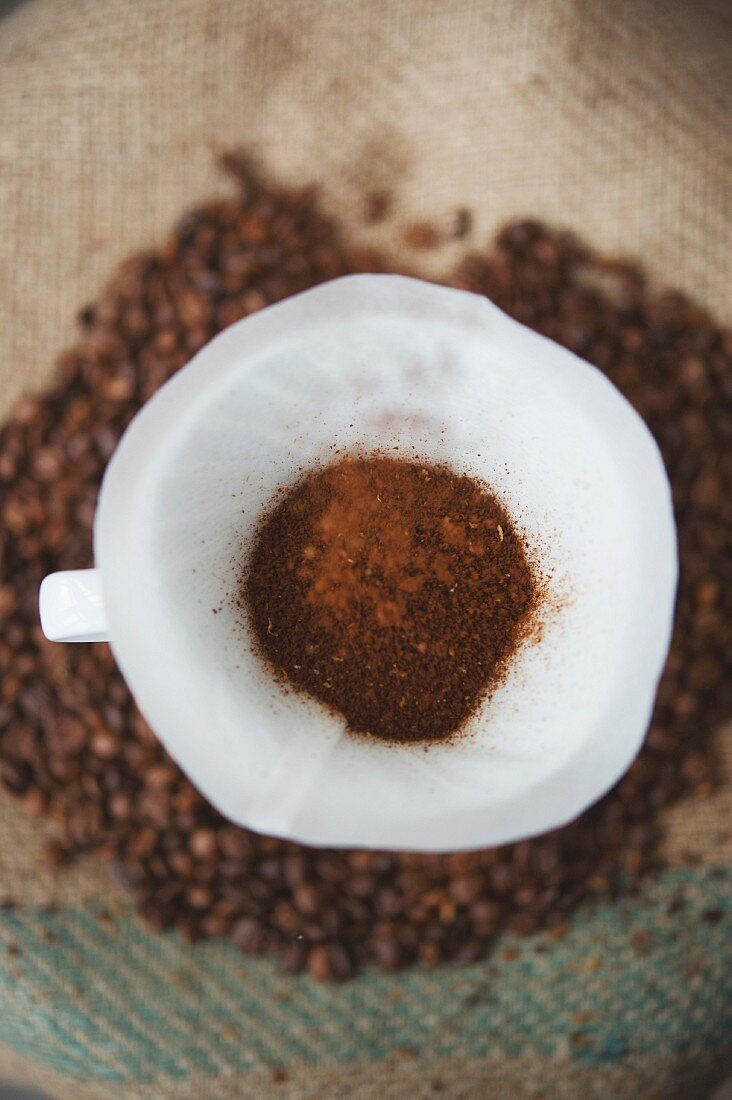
point(391, 591)
point(72, 743)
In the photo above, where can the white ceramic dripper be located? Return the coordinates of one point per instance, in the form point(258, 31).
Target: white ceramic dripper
point(384, 362)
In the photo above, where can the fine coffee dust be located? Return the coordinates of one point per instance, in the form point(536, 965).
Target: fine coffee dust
point(392, 591)
point(72, 744)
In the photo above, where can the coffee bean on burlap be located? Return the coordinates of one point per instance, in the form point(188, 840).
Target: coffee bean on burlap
point(72, 743)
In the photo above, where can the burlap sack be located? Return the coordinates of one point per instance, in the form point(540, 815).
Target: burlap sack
point(611, 118)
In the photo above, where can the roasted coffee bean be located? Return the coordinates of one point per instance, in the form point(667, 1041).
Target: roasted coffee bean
point(467, 888)
point(293, 957)
point(202, 843)
point(387, 952)
point(329, 961)
point(71, 741)
point(308, 899)
point(249, 936)
point(376, 206)
point(318, 963)
point(421, 235)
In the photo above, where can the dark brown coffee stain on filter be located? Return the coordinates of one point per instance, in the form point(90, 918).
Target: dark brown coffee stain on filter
point(74, 746)
point(392, 591)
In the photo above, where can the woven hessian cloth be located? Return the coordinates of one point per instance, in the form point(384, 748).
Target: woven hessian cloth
point(610, 118)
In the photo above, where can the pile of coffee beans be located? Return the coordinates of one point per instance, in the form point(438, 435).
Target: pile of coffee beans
point(72, 743)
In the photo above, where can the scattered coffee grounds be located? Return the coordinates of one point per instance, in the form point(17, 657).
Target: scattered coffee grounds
point(391, 591)
point(72, 743)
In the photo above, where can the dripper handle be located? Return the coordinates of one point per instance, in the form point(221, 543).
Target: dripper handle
point(71, 606)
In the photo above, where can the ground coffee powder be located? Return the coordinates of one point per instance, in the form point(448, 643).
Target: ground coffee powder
point(392, 591)
point(72, 743)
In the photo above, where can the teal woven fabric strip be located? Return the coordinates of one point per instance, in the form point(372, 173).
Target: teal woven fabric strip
point(109, 999)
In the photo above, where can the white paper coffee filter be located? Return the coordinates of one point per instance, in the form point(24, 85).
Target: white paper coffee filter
point(380, 362)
